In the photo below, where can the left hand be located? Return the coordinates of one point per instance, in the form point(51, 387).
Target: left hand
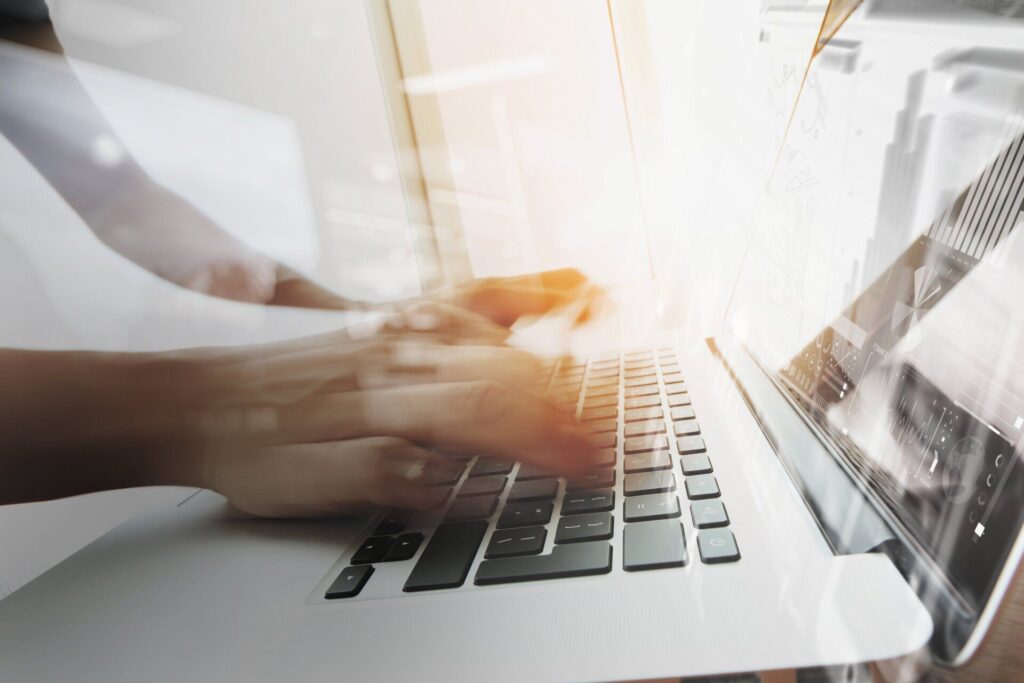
point(505, 300)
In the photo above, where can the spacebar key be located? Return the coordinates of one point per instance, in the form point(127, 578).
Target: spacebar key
point(577, 559)
point(446, 560)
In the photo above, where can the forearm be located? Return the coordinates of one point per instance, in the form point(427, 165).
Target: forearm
point(74, 422)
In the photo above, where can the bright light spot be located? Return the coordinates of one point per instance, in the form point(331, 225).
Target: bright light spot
point(979, 530)
point(106, 151)
point(382, 172)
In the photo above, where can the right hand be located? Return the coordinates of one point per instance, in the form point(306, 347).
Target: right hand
point(329, 424)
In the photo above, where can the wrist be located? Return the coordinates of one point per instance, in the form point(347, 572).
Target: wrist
point(137, 418)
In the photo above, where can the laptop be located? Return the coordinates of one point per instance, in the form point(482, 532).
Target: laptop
point(831, 478)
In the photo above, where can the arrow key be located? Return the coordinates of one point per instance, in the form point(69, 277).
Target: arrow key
point(349, 582)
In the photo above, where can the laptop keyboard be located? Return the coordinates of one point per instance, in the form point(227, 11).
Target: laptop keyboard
point(652, 467)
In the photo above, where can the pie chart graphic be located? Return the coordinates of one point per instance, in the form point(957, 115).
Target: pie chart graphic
point(926, 288)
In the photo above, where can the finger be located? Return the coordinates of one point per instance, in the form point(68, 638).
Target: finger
point(448, 324)
point(323, 479)
point(465, 417)
point(505, 300)
point(280, 374)
point(414, 363)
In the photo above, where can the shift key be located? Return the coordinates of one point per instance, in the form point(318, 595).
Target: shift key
point(446, 560)
point(576, 559)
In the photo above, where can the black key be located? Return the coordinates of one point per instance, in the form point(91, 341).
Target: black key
point(653, 545)
point(393, 522)
point(349, 582)
point(577, 559)
point(641, 381)
point(702, 486)
point(604, 390)
point(525, 514)
point(595, 382)
point(446, 559)
point(595, 479)
point(673, 388)
point(442, 473)
point(603, 373)
point(599, 426)
point(527, 472)
point(679, 400)
point(482, 486)
point(708, 514)
point(487, 466)
point(539, 489)
point(404, 547)
point(643, 401)
point(647, 462)
point(649, 390)
point(642, 444)
point(717, 545)
point(690, 444)
point(648, 482)
point(695, 464)
point(372, 550)
point(652, 412)
point(576, 528)
point(600, 402)
point(686, 427)
point(566, 394)
point(439, 496)
point(606, 440)
point(582, 502)
point(605, 458)
point(512, 542)
point(566, 403)
point(477, 507)
point(651, 506)
point(682, 413)
point(656, 426)
point(599, 413)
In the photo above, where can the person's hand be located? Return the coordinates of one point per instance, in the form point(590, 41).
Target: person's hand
point(506, 299)
point(329, 424)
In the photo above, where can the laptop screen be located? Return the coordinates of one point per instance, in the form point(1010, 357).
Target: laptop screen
point(883, 284)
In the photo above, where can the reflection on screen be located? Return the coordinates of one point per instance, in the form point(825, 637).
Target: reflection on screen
point(885, 280)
